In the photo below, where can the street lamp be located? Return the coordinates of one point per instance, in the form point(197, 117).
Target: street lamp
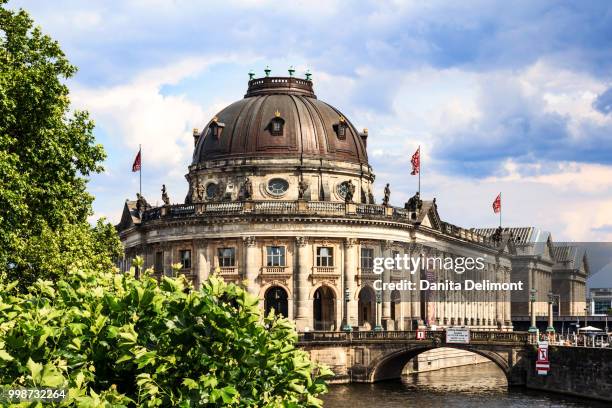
point(378, 327)
point(551, 328)
point(347, 297)
point(532, 299)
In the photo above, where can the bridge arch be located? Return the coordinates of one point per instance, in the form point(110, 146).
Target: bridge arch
point(390, 365)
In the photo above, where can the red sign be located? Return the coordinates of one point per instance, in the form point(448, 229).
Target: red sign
point(542, 364)
point(420, 335)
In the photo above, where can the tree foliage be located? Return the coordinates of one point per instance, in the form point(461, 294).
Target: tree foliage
point(115, 340)
point(46, 153)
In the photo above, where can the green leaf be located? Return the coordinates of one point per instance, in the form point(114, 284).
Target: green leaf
point(5, 356)
point(189, 383)
point(51, 377)
point(125, 357)
point(35, 371)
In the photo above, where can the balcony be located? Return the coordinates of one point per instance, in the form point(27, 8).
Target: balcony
point(324, 270)
point(228, 271)
point(276, 270)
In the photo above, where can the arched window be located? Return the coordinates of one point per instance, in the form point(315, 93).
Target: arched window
point(341, 128)
point(212, 190)
point(277, 125)
point(216, 128)
point(342, 189)
point(276, 299)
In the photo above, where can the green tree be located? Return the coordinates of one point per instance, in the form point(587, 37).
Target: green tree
point(114, 340)
point(46, 154)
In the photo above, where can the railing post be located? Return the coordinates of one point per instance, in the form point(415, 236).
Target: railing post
point(351, 208)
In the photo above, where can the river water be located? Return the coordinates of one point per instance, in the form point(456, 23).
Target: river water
point(481, 385)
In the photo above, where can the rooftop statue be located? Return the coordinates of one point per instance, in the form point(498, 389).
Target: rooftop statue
point(414, 203)
point(198, 192)
point(247, 189)
point(302, 187)
point(141, 203)
point(497, 235)
point(350, 192)
point(165, 197)
point(387, 195)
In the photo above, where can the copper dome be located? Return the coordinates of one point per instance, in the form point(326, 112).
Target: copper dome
point(309, 128)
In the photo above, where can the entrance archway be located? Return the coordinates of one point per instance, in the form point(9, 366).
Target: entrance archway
point(276, 298)
point(324, 309)
point(366, 307)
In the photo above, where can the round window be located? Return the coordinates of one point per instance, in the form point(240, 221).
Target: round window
point(342, 189)
point(278, 186)
point(211, 190)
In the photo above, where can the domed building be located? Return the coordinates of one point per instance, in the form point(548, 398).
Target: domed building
point(281, 198)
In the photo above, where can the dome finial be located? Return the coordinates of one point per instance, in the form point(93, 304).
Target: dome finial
point(308, 75)
point(267, 71)
point(251, 75)
point(291, 71)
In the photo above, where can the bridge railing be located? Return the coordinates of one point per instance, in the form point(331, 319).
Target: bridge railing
point(411, 335)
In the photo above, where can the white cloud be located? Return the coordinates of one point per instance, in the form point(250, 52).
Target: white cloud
point(138, 113)
point(570, 199)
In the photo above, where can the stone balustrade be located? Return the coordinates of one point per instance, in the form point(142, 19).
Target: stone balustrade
point(324, 270)
point(476, 337)
point(318, 208)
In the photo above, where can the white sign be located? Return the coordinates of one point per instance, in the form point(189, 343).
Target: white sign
point(458, 335)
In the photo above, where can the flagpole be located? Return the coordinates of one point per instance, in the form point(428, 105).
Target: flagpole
point(140, 170)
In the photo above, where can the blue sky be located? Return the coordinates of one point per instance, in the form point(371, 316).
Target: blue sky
point(502, 96)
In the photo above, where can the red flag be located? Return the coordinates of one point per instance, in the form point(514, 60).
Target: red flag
point(416, 162)
point(136, 165)
point(497, 204)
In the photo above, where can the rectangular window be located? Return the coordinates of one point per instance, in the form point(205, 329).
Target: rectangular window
point(276, 255)
point(227, 257)
point(185, 256)
point(367, 258)
point(159, 262)
point(394, 254)
point(325, 256)
point(602, 306)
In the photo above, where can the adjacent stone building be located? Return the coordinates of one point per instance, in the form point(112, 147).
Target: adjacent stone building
point(281, 199)
point(556, 272)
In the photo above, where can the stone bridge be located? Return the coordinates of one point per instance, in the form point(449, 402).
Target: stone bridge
point(375, 356)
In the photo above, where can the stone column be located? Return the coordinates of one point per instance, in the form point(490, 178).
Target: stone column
point(168, 261)
point(551, 327)
point(303, 310)
point(350, 270)
point(202, 262)
point(251, 272)
point(386, 294)
point(508, 299)
point(416, 295)
point(378, 326)
point(405, 299)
